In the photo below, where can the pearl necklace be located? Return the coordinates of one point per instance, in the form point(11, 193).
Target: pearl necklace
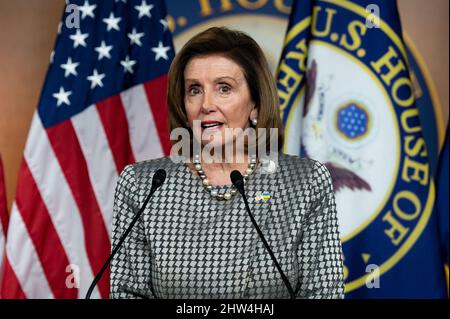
point(214, 193)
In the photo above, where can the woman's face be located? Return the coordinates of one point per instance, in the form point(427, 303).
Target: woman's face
point(217, 94)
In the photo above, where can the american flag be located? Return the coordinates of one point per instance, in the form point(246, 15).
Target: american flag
point(4, 217)
point(102, 106)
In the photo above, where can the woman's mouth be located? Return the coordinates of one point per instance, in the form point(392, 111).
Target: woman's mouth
point(211, 125)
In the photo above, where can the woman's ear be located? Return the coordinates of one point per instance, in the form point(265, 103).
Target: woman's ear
point(254, 113)
point(253, 118)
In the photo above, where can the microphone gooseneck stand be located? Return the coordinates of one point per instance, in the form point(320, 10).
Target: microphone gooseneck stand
point(238, 182)
point(158, 179)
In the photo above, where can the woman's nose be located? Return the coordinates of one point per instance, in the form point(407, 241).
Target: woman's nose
point(208, 102)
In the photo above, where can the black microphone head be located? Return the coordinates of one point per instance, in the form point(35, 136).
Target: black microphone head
point(159, 177)
point(237, 180)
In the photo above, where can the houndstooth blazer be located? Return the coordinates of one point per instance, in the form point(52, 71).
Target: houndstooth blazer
point(190, 245)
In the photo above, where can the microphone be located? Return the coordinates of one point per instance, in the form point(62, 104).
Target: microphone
point(158, 179)
point(238, 182)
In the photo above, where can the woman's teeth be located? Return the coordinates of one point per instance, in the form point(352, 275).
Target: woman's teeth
point(210, 125)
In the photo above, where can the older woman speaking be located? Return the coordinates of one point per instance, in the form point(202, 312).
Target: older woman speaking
point(197, 236)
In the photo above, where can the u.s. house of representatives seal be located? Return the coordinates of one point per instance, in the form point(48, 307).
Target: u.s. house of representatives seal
point(356, 113)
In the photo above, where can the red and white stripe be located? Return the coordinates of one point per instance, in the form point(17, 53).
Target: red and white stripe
point(62, 215)
point(4, 217)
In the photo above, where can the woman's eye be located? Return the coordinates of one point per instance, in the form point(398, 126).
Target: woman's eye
point(224, 89)
point(194, 91)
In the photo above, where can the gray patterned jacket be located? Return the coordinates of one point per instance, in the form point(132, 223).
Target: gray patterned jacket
point(190, 245)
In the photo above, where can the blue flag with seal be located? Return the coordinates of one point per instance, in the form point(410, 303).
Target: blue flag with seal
point(347, 100)
point(442, 202)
